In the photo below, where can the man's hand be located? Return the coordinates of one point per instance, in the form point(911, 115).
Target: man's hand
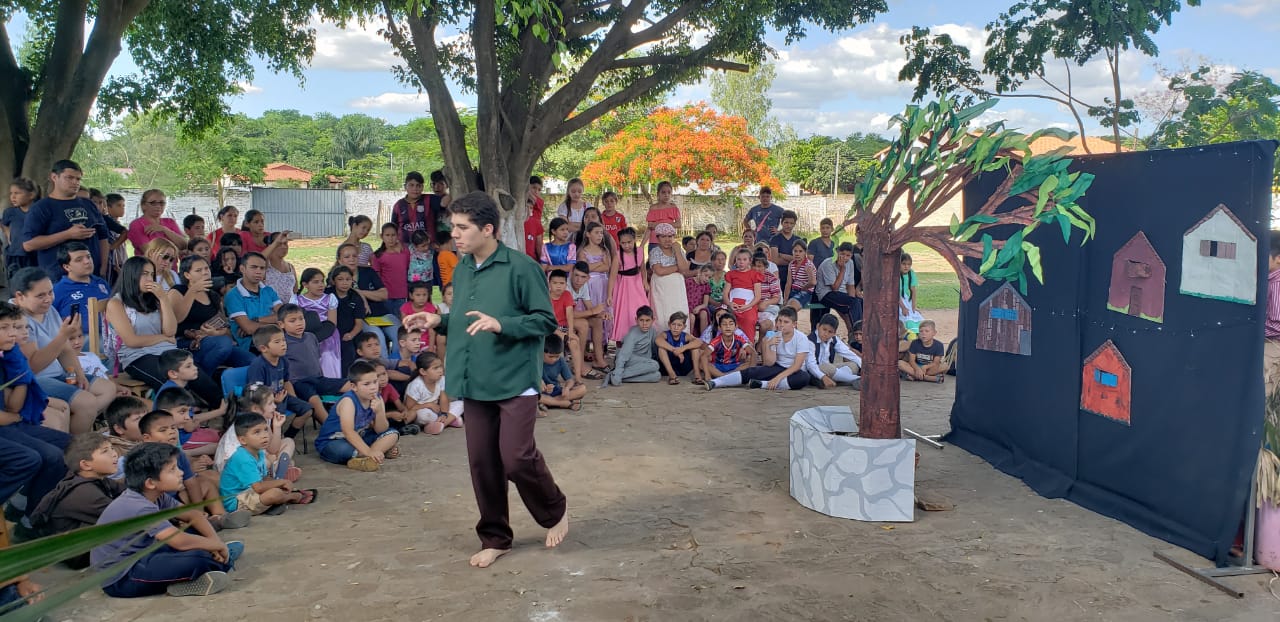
point(420, 321)
point(80, 232)
point(483, 323)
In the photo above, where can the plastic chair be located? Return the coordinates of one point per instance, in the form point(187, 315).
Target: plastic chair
point(234, 379)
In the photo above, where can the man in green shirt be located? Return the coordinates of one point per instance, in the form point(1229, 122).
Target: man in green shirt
point(500, 316)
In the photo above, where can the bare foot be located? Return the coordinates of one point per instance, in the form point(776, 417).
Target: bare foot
point(556, 534)
point(485, 558)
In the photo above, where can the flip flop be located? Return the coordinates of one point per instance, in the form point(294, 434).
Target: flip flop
point(594, 374)
point(309, 496)
point(673, 381)
point(698, 381)
point(575, 405)
point(393, 453)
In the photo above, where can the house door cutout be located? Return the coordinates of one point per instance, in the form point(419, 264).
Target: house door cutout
point(1135, 301)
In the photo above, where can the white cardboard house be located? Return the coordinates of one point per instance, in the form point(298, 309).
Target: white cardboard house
point(1220, 259)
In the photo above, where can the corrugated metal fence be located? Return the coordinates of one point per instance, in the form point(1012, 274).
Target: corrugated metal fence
point(309, 213)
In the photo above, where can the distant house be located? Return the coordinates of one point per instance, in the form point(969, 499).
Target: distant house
point(1004, 322)
point(1137, 280)
point(282, 175)
point(1107, 384)
point(335, 182)
point(1220, 259)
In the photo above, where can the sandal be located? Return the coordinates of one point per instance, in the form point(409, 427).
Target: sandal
point(410, 429)
point(673, 381)
point(275, 510)
point(393, 453)
point(594, 374)
point(699, 381)
point(575, 405)
point(363, 463)
point(308, 496)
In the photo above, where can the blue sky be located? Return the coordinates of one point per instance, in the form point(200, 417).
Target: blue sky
point(828, 83)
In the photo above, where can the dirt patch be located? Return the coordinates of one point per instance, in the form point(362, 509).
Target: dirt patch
point(680, 511)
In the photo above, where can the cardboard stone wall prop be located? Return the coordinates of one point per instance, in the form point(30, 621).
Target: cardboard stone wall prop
point(1137, 280)
point(1107, 384)
point(1004, 322)
point(864, 479)
point(1220, 259)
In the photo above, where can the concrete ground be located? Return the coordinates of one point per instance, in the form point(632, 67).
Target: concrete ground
point(680, 510)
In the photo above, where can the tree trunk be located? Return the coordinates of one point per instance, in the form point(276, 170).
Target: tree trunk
point(879, 405)
point(15, 99)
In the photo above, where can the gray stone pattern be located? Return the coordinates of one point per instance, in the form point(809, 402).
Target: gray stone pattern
point(847, 476)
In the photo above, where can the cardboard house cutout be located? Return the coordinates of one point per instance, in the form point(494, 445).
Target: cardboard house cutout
point(1137, 280)
point(1107, 384)
point(1220, 259)
point(1004, 322)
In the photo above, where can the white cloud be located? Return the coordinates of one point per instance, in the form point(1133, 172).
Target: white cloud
point(392, 102)
point(1248, 8)
point(247, 88)
point(355, 47)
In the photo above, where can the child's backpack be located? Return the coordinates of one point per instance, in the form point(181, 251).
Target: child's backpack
point(949, 358)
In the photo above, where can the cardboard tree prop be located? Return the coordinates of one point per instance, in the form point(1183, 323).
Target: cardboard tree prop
point(1137, 280)
point(1004, 322)
point(1219, 259)
point(930, 161)
point(1107, 384)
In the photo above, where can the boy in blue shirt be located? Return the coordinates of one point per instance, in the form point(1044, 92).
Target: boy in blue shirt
point(71, 294)
point(188, 564)
point(271, 369)
point(358, 435)
point(560, 388)
point(244, 478)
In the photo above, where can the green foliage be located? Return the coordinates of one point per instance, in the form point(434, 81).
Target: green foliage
point(746, 95)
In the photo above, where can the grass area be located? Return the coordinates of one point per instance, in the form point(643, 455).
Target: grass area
point(937, 290)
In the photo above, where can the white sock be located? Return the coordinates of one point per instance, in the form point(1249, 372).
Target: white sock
point(731, 379)
point(783, 386)
point(843, 374)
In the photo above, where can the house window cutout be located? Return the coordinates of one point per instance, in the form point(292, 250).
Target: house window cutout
point(1137, 280)
point(1107, 384)
point(1004, 322)
point(1220, 259)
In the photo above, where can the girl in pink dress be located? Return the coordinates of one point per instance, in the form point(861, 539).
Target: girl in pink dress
point(628, 285)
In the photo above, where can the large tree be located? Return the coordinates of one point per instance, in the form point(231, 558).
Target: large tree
point(928, 163)
point(190, 56)
point(1028, 36)
point(531, 64)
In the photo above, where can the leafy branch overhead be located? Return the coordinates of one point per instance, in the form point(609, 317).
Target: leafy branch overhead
point(929, 163)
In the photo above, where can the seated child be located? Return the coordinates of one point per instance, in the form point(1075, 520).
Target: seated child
point(272, 369)
point(79, 499)
point(406, 369)
point(359, 436)
point(188, 564)
point(89, 362)
point(179, 402)
point(832, 360)
point(562, 305)
point(259, 399)
point(634, 360)
point(369, 348)
point(728, 352)
point(923, 360)
point(123, 415)
point(420, 301)
point(426, 400)
point(679, 353)
point(179, 369)
point(302, 352)
point(559, 388)
point(784, 360)
point(158, 426)
point(245, 478)
point(19, 589)
point(802, 276)
point(698, 290)
point(587, 320)
point(397, 415)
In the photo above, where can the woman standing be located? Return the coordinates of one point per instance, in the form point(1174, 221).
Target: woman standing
point(203, 328)
point(150, 225)
point(391, 262)
point(668, 268)
point(280, 273)
point(142, 318)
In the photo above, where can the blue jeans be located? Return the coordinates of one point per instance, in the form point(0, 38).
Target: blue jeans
point(389, 334)
point(339, 451)
point(217, 351)
point(154, 573)
point(31, 457)
point(394, 304)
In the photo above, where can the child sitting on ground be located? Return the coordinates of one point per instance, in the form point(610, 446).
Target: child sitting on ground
point(634, 360)
point(258, 399)
point(419, 302)
point(158, 426)
point(187, 564)
point(369, 348)
point(180, 402)
point(397, 414)
point(179, 369)
point(559, 387)
point(562, 306)
point(784, 360)
point(359, 436)
point(729, 351)
point(679, 353)
point(832, 361)
point(79, 499)
point(123, 415)
point(426, 400)
point(406, 368)
point(272, 369)
point(245, 477)
point(923, 360)
point(302, 352)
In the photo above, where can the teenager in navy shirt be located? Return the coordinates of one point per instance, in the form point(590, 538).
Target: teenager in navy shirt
point(64, 217)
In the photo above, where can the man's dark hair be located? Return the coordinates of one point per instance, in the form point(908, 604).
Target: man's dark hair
point(360, 368)
point(247, 421)
point(121, 408)
point(64, 252)
point(553, 344)
point(149, 420)
point(113, 198)
point(147, 461)
point(845, 247)
point(558, 274)
point(535, 180)
point(766, 190)
point(175, 397)
point(478, 208)
point(363, 338)
point(191, 220)
point(251, 254)
point(171, 360)
point(26, 278)
point(286, 309)
point(414, 176)
point(62, 165)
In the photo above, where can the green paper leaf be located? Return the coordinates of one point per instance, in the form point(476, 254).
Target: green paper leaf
point(1065, 224)
point(988, 257)
point(1033, 257)
point(955, 225)
point(1046, 190)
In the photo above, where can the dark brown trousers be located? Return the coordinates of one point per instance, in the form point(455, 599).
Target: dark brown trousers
point(500, 447)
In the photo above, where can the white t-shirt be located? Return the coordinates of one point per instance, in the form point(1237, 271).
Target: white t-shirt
point(789, 350)
point(92, 365)
point(421, 394)
point(226, 446)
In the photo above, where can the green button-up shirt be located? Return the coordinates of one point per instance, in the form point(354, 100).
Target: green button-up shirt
point(492, 367)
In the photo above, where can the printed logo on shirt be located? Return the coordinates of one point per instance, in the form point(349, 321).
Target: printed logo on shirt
point(77, 215)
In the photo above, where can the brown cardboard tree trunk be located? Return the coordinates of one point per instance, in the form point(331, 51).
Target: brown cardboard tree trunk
point(879, 415)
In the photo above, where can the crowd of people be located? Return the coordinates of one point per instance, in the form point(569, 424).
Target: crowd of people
point(239, 352)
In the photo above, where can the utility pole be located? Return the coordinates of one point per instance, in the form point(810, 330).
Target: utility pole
point(835, 182)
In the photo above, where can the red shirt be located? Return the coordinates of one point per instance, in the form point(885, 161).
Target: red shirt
point(744, 279)
point(561, 305)
point(389, 395)
point(533, 230)
point(659, 215)
point(613, 224)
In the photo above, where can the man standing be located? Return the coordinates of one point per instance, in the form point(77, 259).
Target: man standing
point(71, 295)
point(501, 314)
point(64, 217)
point(764, 218)
point(250, 305)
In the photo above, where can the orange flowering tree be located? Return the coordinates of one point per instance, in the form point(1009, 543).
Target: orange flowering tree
point(692, 145)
